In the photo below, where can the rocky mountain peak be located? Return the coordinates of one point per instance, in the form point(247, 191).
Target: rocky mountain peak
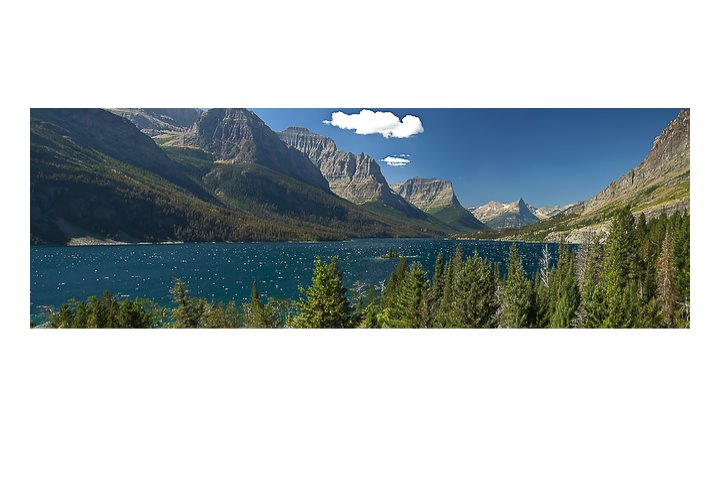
point(357, 178)
point(504, 215)
point(427, 193)
point(237, 135)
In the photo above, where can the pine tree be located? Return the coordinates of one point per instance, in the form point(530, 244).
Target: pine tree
point(436, 289)
point(681, 266)
point(544, 294)
point(445, 315)
point(390, 293)
point(368, 318)
point(412, 299)
point(620, 269)
point(324, 303)
point(188, 312)
point(517, 301)
point(475, 304)
point(255, 315)
point(564, 290)
point(592, 300)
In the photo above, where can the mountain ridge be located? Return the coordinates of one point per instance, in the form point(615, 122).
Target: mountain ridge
point(95, 174)
point(505, 215)
point(355, 177)
point(237, 135)
point(437, 197)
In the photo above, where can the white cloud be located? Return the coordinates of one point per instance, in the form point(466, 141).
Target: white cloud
point(399, 161)
point(385, 123)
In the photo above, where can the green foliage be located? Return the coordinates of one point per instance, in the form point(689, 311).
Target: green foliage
point(197, 312)
point(457, 218)
point(411, 307)
point(390, 293)
point(621, 269)
point(475, 292)
point(517, 307)
point(366, 305)
point(106, 312)
point(256, 314)
point(564, 292)
point(324, 304)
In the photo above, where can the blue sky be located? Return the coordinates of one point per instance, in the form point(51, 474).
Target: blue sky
point(546, 156)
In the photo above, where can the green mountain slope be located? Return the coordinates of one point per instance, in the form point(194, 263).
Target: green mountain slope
point(94, 174)
point(437, 198)
point(457, 217)
point(82, 185)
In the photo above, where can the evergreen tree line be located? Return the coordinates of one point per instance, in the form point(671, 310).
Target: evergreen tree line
point(638, 278)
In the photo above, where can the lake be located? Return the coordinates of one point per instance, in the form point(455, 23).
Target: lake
point(225, 271)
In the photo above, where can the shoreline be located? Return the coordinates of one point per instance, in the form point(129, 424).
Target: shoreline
point(75, 243)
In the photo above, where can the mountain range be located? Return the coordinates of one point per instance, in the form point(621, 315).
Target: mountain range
point(505, 215)
point(216, 175)
point(143, 174)
point(437, 198)
point(515, 214)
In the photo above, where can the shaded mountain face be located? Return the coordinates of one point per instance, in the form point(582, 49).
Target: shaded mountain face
point(236, 135)
point(106, 133)
point(505, 215)
point(357, 178)
point(437, 197)
point(156, 121)
point(94, 174)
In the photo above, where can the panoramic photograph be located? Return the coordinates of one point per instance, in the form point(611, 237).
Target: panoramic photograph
point(359, 218)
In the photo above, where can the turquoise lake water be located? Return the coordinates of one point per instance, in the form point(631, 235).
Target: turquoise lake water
point(225, 271)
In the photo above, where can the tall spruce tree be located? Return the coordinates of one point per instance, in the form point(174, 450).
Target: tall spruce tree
point(255, 312)
point(324, 304)
point(564, 290)
point(517, 297)
point(412, 309)
point(620, 268)
point(475, 304)
point(436, 289)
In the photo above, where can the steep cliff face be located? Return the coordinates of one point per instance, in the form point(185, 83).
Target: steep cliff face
point(505, 215)
point(437, 197)
point(666, 165)
point(236, 135)
point(356, 178)
point(426, 193)
point(157, 121)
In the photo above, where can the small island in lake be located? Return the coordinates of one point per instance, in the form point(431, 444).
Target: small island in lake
point(392, 253)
